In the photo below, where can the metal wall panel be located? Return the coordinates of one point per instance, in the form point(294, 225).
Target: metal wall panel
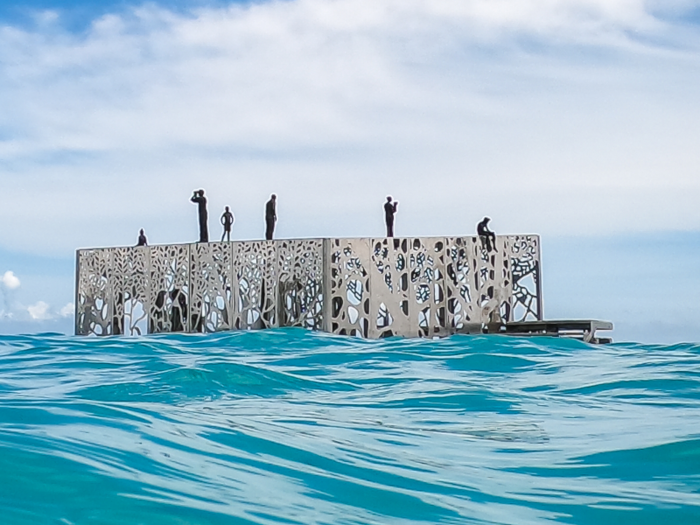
point(411, 287)
point(130, 269)
point(93, 305)
point(169, 294)
point(300, 283)
point(210, 287)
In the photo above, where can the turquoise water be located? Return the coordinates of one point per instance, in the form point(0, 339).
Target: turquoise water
point(290, 426)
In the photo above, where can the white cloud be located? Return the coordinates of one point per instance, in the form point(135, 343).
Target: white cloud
point(549, 115)
point(39, 311)
point(10, 281)
point(68, 310)
point(42, 311)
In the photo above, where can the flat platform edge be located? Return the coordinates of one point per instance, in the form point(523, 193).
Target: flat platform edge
point(582, 329)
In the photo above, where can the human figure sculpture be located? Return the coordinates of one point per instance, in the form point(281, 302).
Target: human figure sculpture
point(227, 220)
point(270, 216)
point(142, 239)
point(201, 201)
point(488, 238)
point(389, 211)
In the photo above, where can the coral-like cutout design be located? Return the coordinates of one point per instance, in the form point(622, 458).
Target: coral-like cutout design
point(411, 287)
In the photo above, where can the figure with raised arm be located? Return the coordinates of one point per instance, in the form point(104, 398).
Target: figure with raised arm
point(270, 216)
point(227, 220)
point(488, 238)
point(142, 239)
point(389, 211)
point(201, 201)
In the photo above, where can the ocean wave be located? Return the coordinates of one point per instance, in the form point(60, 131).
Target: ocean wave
point(291, 426)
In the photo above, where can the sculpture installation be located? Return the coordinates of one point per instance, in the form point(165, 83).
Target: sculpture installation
point(411, 287)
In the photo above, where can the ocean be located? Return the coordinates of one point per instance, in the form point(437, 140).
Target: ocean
point(296, 427)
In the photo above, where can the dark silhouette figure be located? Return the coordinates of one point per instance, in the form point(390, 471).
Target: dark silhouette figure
point(201, 201)
point(142, 239)
point(488, 238)
point(227, 220)
point(389, 211)
point(270, 216)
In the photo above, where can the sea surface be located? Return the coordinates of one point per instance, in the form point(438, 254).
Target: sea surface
point(295, 427)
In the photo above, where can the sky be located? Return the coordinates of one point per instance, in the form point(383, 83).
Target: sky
point(574, 119)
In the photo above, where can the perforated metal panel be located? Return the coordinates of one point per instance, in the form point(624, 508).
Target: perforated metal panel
point(411, 287)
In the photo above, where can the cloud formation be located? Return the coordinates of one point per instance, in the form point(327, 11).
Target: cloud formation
point(39, 311)
point(549, 115)
point(9, 281)
point(67, 310)
point(13, 310)
point(42, 311)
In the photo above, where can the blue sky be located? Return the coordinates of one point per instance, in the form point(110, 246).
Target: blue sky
point(576, 119)
point(80, 14)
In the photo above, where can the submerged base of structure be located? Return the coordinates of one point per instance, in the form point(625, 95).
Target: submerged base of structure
point(583, 329)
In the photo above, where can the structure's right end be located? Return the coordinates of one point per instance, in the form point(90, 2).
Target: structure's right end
point(583, 329)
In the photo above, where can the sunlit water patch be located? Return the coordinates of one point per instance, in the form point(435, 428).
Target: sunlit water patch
point(290, 426)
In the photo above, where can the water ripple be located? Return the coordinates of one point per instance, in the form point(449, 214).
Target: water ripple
point(290, 426)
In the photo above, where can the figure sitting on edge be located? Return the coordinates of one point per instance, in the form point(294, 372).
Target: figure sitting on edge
point(270, 216)
point(142, 239)
point(201, 201)
point(488, 238)
point(389, 211)
point(227, 220)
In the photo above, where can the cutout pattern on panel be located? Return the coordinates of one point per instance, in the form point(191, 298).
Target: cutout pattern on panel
point(300, 287)
point(407, 287)
point(131, 282)
point(427, 276)
point(170, 289)
point(93, 307)
point(254, 285)
point(210, 287)
point(349, 292)
point(368, 287)
point(462, 312)
point(491, 279)
point(525, 264)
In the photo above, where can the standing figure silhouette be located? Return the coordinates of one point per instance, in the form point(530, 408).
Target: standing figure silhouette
point(270, 216)
point(389, 211)
point(201, 201)
point(227, 220)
